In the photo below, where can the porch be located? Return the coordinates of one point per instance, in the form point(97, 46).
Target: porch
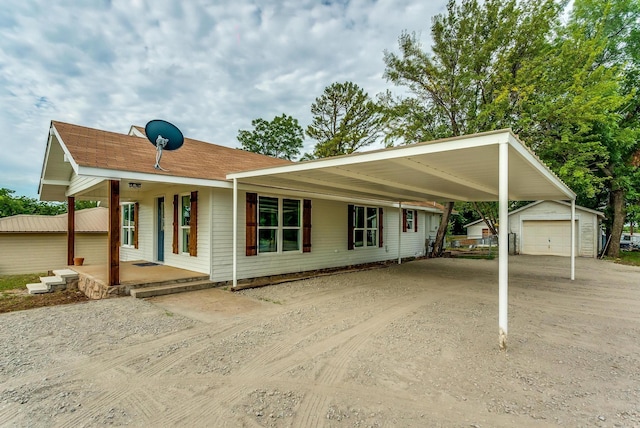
point(94, 279)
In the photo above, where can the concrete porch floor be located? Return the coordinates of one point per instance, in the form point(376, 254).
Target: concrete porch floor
point(132, 275)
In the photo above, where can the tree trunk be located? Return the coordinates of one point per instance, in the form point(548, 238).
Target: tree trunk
point(616, 201)
point(491, 223)
point(438, 246)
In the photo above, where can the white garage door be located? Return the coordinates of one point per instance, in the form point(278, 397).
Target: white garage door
point(547, 237)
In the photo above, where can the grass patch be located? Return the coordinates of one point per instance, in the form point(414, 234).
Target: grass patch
point(14, 296)
point(631, 258)
point(15, 282)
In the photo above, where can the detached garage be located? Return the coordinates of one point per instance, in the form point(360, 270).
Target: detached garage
point(544, 228)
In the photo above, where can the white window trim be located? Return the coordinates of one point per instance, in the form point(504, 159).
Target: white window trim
point(280, 227)
point(181, 227)
point(410, 226)
point(365, 228)
point(129, 229)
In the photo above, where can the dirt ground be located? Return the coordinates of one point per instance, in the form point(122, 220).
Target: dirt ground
point(414, 345)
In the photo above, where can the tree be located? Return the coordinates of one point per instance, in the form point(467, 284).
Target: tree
point(14, 205)
point(280, 138)
point(465, 85)
point(345, 119)
point(585, 108)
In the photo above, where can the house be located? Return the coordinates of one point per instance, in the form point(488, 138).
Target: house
point(542, 228)
point(37, 243)
point(182, 217)
point(236, 215)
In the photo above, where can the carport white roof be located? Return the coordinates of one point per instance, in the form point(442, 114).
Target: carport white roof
point(462, 168)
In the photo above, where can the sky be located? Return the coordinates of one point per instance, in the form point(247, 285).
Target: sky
point(209, 67)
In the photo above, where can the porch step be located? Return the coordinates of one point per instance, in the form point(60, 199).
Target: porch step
point(52, 281)
point(176, 287)
point(38, 288)
point(66, 273)
point(58, 281)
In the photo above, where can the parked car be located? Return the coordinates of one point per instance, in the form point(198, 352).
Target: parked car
point(630, 242)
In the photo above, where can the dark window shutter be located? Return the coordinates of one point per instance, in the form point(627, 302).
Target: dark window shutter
point(252, 224)
point(380, 227)
point(193, 225)
point(415, 220)
point(176, 208)
point(350, 228)
point(136, 208)
point(404, 220)
point(306, 226)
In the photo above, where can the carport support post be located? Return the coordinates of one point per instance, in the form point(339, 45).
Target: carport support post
point(235, 234)
point(71, 229)
point(114, 232)
point(400, 232)
point(503, 245)
point(573, 239)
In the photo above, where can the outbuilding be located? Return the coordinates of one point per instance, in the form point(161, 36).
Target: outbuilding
point(543, 228)
point(38, 243)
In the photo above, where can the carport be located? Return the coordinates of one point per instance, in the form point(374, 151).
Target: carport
point(491, 166)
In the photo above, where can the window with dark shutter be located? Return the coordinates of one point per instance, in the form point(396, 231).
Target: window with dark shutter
point(351, 211)
point(193, 225)
point(252, 224)
point(404, 220)
point(136, 217)
point(306, 226)
point(415, 220)
point(380, 227)
point(176, 207)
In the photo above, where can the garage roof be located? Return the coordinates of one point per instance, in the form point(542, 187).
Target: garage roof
point(454, 169)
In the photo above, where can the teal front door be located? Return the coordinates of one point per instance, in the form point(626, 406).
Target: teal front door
point(160, 230)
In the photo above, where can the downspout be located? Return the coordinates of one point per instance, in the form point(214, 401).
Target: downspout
point(399, 232)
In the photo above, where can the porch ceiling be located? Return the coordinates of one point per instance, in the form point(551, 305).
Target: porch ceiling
point(455, 169)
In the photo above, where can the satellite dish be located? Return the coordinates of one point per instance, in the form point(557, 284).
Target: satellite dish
point(165, 136)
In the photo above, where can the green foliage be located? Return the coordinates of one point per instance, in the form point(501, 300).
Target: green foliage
point(345, 119)
point(81, 205)
point(14, 205)
point(280, 138)
point(466, 84)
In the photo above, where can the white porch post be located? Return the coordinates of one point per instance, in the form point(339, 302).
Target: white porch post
point(399, 232)
point(573, 239)
point(235, 233)
point(503, 245)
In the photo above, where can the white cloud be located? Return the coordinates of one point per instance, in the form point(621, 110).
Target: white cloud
point(208, 67)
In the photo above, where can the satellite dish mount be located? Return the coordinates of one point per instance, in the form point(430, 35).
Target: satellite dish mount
point(165, 136)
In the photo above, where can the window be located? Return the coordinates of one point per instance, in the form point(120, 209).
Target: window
point(185, 227)
point(128, 224)
point(410, 219)
point(278, 224)
point(365, 227)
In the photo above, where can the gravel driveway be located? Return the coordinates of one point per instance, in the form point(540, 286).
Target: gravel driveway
point(413, 345)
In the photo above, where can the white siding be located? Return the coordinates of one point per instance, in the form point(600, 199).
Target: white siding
point(41, 252)
point(475, 231)
point(79, 183)
point(147, 224)
point(328, 240)
point(586, 227)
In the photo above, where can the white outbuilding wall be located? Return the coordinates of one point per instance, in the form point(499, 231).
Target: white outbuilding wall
point(543, 228)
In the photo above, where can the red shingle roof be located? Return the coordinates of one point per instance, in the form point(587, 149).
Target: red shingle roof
point(195, 159)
